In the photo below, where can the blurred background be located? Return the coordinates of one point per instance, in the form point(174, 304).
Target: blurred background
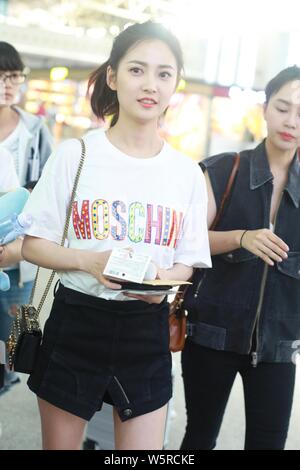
point(231, 48)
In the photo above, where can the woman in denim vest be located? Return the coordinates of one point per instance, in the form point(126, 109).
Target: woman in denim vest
point(244, 313)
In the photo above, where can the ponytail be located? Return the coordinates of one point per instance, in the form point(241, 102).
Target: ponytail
point(104, 101)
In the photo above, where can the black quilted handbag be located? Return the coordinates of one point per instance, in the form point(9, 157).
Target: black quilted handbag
point(24, 340)
point(26, 336)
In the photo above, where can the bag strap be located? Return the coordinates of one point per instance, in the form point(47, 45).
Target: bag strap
point(65, 232)
point(179, 297)
point(227, 191)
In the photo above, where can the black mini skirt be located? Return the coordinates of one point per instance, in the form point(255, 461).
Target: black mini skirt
point(97, 350)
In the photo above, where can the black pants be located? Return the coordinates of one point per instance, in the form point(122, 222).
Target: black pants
point(208, 377)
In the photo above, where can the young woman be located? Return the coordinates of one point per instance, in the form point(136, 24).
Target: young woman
point(134, 191)
point(28, 140)
point(244, 313)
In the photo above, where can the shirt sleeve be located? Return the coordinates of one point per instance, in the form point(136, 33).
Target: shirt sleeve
point(193, 245)
point(9, 179)
point(49, 201)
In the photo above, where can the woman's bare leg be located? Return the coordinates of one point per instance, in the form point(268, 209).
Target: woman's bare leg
point(60, 430)
point(144, 432)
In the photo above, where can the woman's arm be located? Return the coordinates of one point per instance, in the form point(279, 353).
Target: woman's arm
point(262, 242)
point(52, 256)
point(11, 253)
point(179, 272)
point(220, 242)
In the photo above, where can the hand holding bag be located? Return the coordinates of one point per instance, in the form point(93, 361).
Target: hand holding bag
point(26, 336)
point(177, 313)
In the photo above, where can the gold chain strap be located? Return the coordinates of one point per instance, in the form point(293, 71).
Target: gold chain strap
point(65, 233)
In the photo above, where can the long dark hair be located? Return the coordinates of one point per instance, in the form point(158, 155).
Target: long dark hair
point(10, 58)
point(286, 75)
point(104, 101)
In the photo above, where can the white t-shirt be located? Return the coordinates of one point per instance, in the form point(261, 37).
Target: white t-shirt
point(8, 175)
point(11, 143)
point(156, 205)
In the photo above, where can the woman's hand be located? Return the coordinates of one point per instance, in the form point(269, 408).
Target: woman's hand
point(94, 264)
point(177, 272)
point(2, 256)
point(11, 253)
point(151, 299)
point(265, 244)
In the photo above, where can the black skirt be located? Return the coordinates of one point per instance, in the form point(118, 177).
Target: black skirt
point(97, 350)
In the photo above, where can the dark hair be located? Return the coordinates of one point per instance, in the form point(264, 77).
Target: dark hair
point(10, 58)
point(287, 75)
point(104, 101)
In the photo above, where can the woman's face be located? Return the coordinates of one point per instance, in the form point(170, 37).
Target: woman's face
point(282, 115)
point(10, 82)
point(145, 80)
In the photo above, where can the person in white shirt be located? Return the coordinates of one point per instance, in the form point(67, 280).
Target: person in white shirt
point(134, 191)
point(28, 140)
point(8, 176)
point(8, 182)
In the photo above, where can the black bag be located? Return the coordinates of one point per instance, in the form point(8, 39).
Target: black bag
point(177, 323)
point(26, 336)
point(25, 340)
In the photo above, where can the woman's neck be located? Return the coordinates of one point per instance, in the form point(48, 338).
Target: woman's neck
point(141, 141)
point(7, 114)
point(279, 159)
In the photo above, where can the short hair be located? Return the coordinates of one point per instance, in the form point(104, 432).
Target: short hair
point(286, 75)
point(10, 58)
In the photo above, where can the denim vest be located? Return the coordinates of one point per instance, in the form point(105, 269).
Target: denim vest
point(241, 304)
